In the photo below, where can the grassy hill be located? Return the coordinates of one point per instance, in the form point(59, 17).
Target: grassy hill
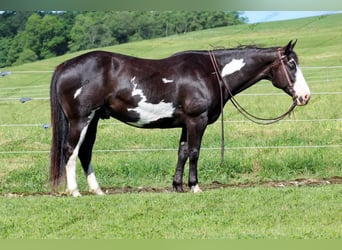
point(318, 45)
point(318, 41)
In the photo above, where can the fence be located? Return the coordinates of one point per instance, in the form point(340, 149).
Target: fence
point(39, 92)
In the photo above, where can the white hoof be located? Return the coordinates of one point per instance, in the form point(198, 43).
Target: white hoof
point(74, 193)
point(97, 191)
point(196, 189)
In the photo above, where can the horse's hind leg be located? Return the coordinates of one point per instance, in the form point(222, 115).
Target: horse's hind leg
point(85, 154)
point(77, 134)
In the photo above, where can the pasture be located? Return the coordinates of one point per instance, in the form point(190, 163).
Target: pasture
point(130, 161)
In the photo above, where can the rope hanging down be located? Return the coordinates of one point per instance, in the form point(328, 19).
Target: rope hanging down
point(243, 111)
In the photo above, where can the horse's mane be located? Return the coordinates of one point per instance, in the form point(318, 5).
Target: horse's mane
point(248, 46)
point(219, 48)
point(239, 47)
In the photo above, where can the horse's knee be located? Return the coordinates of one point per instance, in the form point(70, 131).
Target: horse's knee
point(193, 154)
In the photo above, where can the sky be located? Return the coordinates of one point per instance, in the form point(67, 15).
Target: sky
point(267, 16)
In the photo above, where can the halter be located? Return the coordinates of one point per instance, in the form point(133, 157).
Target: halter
point(281, 59)
point(243, 111)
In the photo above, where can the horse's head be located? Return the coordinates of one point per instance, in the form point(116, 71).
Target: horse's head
point(286, 75)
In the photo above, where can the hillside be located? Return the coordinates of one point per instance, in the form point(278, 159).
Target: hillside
point(318, 41)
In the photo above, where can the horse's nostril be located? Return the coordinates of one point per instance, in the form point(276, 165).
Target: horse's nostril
point(306, 97)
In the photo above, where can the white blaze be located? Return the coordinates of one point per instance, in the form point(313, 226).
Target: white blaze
point(233, 66)
point(300, 86)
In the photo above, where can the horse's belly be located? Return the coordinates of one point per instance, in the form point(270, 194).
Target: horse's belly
point(148, 113)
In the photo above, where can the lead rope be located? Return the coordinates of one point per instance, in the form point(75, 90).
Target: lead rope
point(213, 61)
point(243, 111)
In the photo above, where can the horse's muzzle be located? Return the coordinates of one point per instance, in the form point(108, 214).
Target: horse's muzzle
point(302, 99)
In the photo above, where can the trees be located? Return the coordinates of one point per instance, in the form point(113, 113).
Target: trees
point(90, 30)
point(42, 36)
point(28, 36)
point(11, 22)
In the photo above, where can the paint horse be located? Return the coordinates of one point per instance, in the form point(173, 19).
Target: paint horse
point(181, 91)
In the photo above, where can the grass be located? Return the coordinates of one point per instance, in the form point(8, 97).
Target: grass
point(251, 213)
point(299, 147)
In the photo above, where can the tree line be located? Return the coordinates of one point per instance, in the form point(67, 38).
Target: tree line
point(29, 36)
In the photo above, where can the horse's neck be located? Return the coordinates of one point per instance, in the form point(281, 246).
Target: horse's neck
point(252, 65)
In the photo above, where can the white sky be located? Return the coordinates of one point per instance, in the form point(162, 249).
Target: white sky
point(267, 16)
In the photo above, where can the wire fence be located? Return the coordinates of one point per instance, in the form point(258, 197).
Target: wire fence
point(44, 125)
point(136, 150)
point(39, 92)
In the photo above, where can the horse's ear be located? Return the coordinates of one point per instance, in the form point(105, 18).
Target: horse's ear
point(289, 47)
point(293, 44)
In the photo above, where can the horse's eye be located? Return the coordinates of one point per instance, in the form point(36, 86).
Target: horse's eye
point(291, 63)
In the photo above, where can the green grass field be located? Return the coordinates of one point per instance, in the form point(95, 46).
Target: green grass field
point(306, 145)
point(251, 213)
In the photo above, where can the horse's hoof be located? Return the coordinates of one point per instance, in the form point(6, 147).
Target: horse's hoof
point(97, 191)
point(74, 193)
point(196, 189)
point(178, 188)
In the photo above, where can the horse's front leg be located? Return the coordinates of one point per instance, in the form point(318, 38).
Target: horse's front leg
point(182, 157)
point(196, 130)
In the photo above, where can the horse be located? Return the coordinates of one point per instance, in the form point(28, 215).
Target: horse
point(186, 90)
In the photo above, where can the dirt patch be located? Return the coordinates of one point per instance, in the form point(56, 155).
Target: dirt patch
point(218, 185)
point(290, 183)
point(214, 185)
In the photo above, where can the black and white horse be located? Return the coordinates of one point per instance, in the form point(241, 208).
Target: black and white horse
point(181, 91)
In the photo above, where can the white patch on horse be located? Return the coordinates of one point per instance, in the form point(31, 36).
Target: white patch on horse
point(77, 92)
point(166, 80)
point(71, 166)
point(232, 67)
point(149, 112)
point(93, 184)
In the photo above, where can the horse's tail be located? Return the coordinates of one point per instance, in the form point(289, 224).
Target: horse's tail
point(60, 128)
